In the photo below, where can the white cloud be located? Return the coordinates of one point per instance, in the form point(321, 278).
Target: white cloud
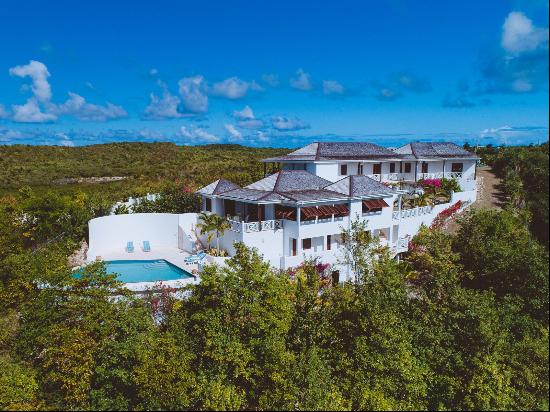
point(39, 74)
point(332, 87)
point(520, 35)
point(302, 81)
point(198, 135)
point(3, 112)
point(251, 124)
point(30, 112)
point(77, 106)
point(245, 114)
point(262, 136)
point(271, 79)
point(234, 88)
point(165, 107)
point(233, 132)
point(514, 135)
point(522, 86)
point(193, 94)
point(288, 124)
point(40, 109)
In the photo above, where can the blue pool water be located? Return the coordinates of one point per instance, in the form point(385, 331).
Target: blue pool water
point(131, 271)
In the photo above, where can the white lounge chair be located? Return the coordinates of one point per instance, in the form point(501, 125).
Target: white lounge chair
point(195, 258)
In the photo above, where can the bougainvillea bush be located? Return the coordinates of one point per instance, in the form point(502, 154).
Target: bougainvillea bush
point(445, 215)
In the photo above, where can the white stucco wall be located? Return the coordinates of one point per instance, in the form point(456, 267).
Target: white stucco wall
point(112, 232)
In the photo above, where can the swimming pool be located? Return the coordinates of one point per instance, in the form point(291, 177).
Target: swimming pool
point(133, 271)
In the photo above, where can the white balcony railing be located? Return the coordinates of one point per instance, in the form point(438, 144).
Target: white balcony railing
point(417, 211)
point(247, 227)
point(402, 245)
point(389, 177)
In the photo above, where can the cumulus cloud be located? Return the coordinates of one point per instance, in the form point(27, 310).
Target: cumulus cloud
point(514, 135)
point(233, 132)
point(40, 109)
point(3, 112)
point(165, 107)
point(302, 81)
point(38, 72)
point(251, 124)
point(245, 114)
point(193, 94)
point(288, 124)
point(247, 119)
point(198, 135)
point(234, 88)
point(519, 34)
point(521, 65)
point(332, 87)
point(30, 112)
point(271, 79)
point(79, 108)
point(386, 93)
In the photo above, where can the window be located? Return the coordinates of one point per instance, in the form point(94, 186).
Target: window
point(335, 277)
point(424, 167)
point(457, 167)
point(306, 243)
point(293, 247)
point(377, 168)
point(359, 168)
point(343, 170)
point(407, 168)
point(208, 204)
point(392, 167)
point(329, 241)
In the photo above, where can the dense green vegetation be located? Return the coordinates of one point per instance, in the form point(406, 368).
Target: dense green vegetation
point(461, 322)
point(146, 166)
point(524, 170)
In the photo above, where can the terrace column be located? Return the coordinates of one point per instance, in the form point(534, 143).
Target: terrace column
point(298, 239)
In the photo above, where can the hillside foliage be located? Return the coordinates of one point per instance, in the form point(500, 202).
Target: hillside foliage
point(460, 323)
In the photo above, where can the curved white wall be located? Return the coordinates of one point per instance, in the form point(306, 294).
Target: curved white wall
point(108, 233)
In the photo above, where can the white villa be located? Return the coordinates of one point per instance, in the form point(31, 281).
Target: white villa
point(299, 211)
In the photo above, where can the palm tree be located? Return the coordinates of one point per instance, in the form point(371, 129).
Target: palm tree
point(213, 224)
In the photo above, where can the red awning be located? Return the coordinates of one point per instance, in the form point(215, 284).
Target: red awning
point(310, 212)
point(326, 211)
point(375, 204)
point(341, 210)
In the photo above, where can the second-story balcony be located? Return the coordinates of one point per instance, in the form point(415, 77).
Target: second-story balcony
point(261, 226)
point(397, 177)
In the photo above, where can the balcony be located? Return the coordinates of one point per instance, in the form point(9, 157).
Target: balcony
point(388, 177)
point(249, 227)
point(417, 211)
point(447, 175)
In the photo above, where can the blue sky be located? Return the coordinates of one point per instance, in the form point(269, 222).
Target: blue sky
point(273, 74)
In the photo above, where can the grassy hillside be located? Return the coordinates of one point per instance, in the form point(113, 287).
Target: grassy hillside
point(142, 163)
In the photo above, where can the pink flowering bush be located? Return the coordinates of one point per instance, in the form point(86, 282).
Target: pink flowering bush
point(445, 215)
point(430, 183)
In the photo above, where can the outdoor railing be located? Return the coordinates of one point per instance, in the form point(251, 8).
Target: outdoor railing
point(417, 211)
point(261, 226)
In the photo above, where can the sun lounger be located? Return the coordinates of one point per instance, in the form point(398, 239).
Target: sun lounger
point(130, 247)
point(195, 258)
point(146, 246)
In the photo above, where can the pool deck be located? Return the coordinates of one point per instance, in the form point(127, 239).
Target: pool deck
point(173, 255)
